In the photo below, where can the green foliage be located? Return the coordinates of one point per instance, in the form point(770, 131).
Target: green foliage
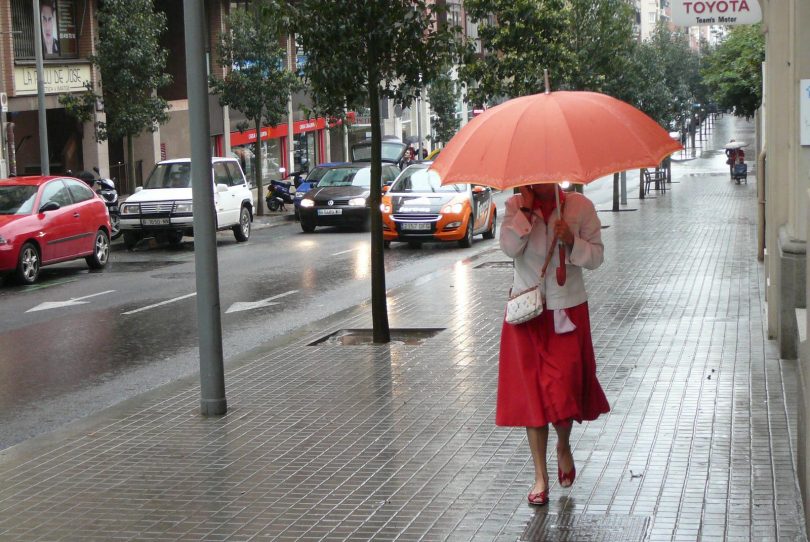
point(132, 63)
point(257, 83)
point(522, 38)
point(391, 45)
point(444, 94)
point(733, 71)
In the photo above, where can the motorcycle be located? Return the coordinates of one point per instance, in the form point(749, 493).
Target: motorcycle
point(279, 193)
point(106, 189)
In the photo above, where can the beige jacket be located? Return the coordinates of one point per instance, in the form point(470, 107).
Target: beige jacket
point(527, 243)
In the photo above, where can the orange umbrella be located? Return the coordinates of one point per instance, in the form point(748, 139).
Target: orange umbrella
point(556, 136)
point(547, 138)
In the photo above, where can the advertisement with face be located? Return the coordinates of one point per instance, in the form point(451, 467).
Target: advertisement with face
point(50, 28)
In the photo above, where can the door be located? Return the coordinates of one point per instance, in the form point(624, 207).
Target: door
point(481, 205)
point(59, 227)
point(88, 215)
point(227, 201)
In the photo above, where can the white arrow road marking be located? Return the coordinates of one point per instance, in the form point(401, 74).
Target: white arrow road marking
point(70, 302)
point(248, 305)
point(146, 308)
point(345, 251)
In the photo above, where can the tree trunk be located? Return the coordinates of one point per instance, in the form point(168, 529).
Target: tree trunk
point(258, 169)
point(615, 192)
point(130, 164)
point(379, 307)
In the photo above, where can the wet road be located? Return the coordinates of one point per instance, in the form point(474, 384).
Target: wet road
point(79, 341)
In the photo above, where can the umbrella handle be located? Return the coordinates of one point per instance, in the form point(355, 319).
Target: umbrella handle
point(561, 267)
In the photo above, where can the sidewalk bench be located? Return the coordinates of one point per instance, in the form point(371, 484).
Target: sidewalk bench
point(657, 176)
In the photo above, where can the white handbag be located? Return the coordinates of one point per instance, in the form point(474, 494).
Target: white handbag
point(524, 305)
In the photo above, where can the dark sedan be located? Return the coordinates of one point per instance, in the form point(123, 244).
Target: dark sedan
point(341, 197)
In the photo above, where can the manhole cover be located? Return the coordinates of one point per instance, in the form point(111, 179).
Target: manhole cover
point(586, 528)
point(353, 337)
point(495, 265)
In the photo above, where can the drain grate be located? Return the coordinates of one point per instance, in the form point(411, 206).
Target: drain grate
point(495, 265)
point(586, 528)
point(354, 337)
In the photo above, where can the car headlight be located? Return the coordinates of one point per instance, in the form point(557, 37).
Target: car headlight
point(385, 207)
point(357, 202)
point(183, 207)
point(307, 203)
point(130, 209)
point(452, 208)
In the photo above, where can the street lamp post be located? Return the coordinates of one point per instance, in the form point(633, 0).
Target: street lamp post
point(44, 162)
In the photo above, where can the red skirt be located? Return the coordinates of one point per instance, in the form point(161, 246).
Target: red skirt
point(548, 378)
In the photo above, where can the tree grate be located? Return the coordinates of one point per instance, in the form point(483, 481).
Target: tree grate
point(585, 528)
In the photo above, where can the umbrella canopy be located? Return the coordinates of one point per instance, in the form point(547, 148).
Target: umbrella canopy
point(735, 145)
point(557, 136)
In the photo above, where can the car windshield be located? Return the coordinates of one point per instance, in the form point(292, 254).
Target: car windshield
point(17, 199)
point(421, 179)
point(317, 174)
point(172, 175)
point(346, 176)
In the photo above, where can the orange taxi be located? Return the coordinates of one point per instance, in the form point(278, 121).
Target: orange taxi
point(418, 209)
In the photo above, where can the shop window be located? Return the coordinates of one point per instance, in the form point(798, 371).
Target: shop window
point(59, 33)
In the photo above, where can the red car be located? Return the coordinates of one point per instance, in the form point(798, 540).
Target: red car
point(45, 220)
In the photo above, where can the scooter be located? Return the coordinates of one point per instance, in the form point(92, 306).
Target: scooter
point(279, 193)
point(106, 189)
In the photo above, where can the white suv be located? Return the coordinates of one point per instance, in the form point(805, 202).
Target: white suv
point(163, 208)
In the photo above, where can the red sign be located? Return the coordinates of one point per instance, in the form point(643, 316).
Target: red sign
point(276, 132)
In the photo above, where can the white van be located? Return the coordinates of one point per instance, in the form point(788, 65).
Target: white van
point(163, 207)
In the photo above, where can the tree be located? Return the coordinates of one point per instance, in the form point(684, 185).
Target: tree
point(132, 63)
point(444, 95)
point(256, 83)
point(520, 38)
point(357, 54)
point(733, 71)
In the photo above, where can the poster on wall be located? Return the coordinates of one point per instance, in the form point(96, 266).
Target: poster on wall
point(50, 28)
point(714, 12)
point(804, 112)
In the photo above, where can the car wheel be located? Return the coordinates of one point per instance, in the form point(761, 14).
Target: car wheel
point(101, 251)
point(242, 230)
point(307, 227)
point(490, 233)
point(131, 240)
point(28, 264)
point(467, 240)
point(115, 226)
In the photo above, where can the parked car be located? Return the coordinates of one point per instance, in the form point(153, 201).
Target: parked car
point(393, 150)
point(163, 207)
point(341, 197)
point(311, 181)
point(46, 220)
point(418, 209)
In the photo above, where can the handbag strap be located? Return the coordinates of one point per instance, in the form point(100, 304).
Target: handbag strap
point(553, 244)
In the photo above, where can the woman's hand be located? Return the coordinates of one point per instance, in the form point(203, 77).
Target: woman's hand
point(562, 231)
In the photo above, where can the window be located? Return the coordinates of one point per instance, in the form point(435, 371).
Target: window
point(236, 175)
point(221, 175)
point(59, 32)
point(79, 191)
point(57, 192)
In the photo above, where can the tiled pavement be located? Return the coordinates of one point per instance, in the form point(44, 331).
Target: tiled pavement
point(397, 442)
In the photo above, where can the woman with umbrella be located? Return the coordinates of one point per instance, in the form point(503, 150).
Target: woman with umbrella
point(547, 368)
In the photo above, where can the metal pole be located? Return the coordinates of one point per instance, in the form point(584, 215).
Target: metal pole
point(44, 162)
point(209, 324)
point(419, 119)
point(623, 188)
point(290, 131)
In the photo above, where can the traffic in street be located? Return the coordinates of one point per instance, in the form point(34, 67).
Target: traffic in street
point(80, 340)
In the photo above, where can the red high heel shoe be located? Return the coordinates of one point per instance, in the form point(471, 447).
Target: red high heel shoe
point(566, 478)
point(539, 499)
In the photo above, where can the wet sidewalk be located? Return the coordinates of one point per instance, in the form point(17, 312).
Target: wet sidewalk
point(397, 442)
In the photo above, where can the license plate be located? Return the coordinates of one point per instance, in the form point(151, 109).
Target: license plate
point(416, 226)
point(330, 211)
point(155, 221)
